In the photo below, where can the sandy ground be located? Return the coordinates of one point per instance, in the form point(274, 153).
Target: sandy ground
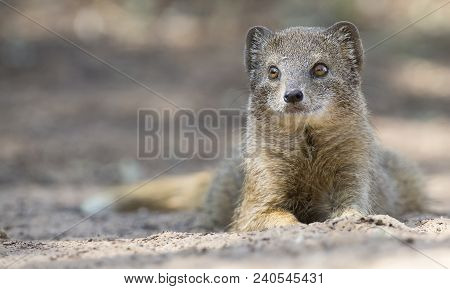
point(48, 232)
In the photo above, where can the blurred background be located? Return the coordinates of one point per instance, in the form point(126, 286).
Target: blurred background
point(68, 122)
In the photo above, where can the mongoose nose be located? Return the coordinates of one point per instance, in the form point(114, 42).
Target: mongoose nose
point(293, 96)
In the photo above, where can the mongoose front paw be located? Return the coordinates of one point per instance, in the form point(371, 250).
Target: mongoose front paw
point(265, 221)
point(284, 221)
point(346, 214)
point(351, 213)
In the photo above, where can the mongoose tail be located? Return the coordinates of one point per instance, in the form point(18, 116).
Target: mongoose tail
point(171, 193)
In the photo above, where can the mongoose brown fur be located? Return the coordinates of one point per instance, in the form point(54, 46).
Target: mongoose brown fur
point(309, 151)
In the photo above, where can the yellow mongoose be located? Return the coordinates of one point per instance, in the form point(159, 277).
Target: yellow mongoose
point(309, 151)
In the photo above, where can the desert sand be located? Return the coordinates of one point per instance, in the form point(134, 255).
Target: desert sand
point(35, 221)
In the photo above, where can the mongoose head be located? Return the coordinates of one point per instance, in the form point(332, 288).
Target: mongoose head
point(305, 70)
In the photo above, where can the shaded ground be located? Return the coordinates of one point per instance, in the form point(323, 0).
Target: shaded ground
point(112, 240)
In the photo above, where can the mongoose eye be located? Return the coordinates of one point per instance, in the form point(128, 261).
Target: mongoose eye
point(274, 72)
point(319, 70)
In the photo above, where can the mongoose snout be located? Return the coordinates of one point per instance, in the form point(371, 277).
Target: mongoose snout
point(293, 96)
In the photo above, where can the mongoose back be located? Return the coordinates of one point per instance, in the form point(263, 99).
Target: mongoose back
point(309, 150)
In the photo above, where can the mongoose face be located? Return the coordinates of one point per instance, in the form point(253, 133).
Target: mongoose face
point(304, 70)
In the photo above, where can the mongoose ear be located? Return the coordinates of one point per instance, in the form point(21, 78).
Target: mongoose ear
point(348, 36)
point(256, 37)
